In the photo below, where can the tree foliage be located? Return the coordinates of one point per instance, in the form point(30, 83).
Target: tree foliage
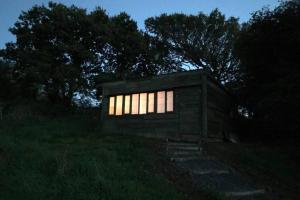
point(6, 80)
point(54, 48)
point(61, 50)
point(269, 49)
point(198, 41)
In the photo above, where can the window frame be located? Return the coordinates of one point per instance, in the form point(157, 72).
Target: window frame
point(147, 102)
point(122, 104)
point(154, 104)
point(114, 107)
point(138, 104)
point(129, 104)
point(164, 98)
point(167, 101)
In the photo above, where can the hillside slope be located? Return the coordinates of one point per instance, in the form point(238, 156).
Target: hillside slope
point(68, 158)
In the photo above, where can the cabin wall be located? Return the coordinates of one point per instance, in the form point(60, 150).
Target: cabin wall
point(185, 119)
point(218, 109)
point(189, 110)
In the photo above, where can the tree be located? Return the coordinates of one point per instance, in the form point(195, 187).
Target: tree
point(128, 55)
point(56, 48)
point(6, 80)
point(269, 50)
point(62, 50)
point(201, 41)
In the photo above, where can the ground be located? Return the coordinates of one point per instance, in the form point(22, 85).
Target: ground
point(69, 158)
point(273, 166)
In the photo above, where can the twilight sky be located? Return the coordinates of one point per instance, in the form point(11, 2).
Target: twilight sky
point(139, 10)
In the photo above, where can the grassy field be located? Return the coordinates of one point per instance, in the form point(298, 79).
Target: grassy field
point(68, 158)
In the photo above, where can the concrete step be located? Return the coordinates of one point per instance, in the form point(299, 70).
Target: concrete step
point(197, 155)
point(207, 171)
point(182, 144)
point(183, 159)
point(191, 158)
point(183, 148)
point(247, 193)
point(185, 153)
point(185, 138)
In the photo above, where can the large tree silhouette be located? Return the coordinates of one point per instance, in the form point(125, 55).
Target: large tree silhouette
point(198, 41)
point(269, 49)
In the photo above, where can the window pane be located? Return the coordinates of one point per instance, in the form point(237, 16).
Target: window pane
point(161, 104)
point(127, 104)
point(119, 105)
point(135, 104)
point(143, 103)
point(170, 101)
point(111, 110)
point(150, 102)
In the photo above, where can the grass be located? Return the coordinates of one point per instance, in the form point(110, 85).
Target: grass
point(69, 158)
point(274, 167)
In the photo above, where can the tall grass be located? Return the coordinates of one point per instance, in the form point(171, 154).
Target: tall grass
point(69, 158)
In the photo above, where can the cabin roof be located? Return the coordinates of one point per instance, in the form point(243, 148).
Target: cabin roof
point(159, 82)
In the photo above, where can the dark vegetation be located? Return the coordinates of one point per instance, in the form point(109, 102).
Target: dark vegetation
point(269, 48)
point(66, 157)
point(51, 149)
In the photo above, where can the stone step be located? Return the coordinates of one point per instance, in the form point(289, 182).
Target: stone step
point(186, 153)
point(184, 138)
point(245, 193)
point(192, 158)
point(183, 148)
point(185, 156)
point(203, 172)
point(183, 159)
point(182, 144)
point(209, 173)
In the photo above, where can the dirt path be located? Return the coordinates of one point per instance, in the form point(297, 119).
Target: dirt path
point(209, 174)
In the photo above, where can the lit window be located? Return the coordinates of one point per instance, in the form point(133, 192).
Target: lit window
point(161, 104)
point(143, 103)
point(127, 105)
point(170, 101)
point(111, 106)
point(119, 105)
point(150, 102)
point(135, 104)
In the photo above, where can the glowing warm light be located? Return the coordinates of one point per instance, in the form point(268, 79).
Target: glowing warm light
point(119, 105)
point(127, 105)
point(135, 104)
point(161, 104)
point(143, 103)
point(111, 106)
point(150, 102)
point(169, 101)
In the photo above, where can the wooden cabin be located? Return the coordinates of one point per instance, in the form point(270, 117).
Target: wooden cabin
point(183, 104)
